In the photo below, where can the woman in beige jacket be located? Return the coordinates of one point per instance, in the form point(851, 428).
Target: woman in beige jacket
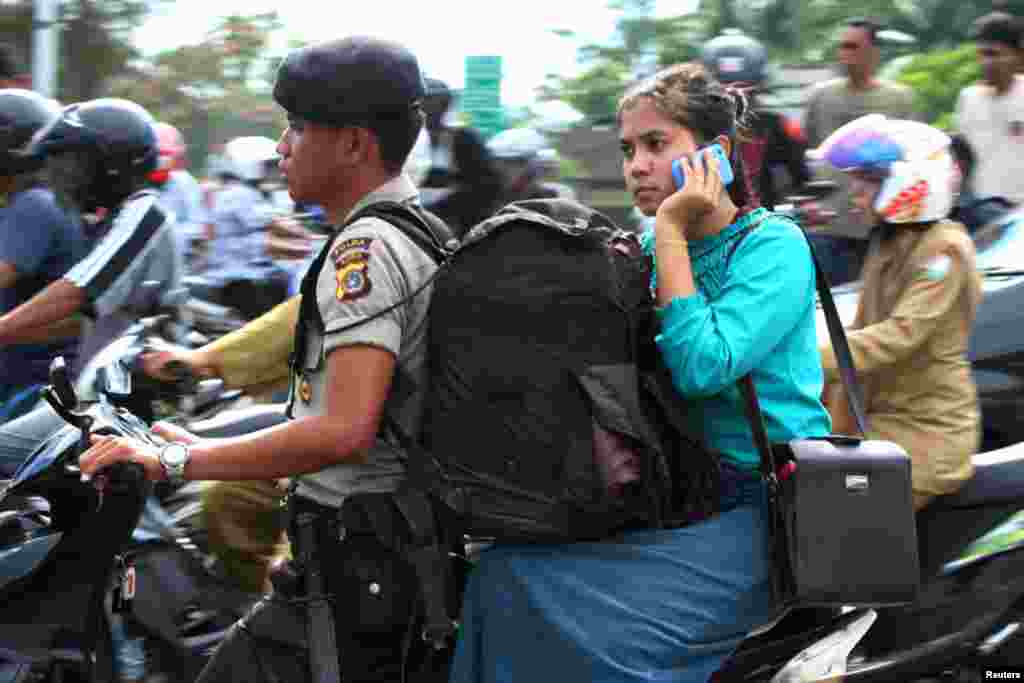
point(917, 307)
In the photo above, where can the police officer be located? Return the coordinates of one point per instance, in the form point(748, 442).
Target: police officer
point(921, 291)
point(355, 109)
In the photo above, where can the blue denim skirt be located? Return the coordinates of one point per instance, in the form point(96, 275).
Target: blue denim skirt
point(652, 605)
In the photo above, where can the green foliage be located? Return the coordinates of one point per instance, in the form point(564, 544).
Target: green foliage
point(791, 30)
point(937, 79)
point(571, 168)
point(595, 93)
point(95, 40)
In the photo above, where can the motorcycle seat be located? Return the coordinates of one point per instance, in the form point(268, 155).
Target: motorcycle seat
point(241, 421)
point(998, 477)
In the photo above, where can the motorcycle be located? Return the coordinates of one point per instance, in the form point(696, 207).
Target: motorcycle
point(967, 618)
point(61, 539)
point(183, 604)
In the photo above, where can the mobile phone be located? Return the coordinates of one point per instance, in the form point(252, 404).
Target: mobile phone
point(723, 163)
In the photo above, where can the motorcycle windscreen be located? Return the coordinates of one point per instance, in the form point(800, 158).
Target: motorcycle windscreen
point(1006, 537)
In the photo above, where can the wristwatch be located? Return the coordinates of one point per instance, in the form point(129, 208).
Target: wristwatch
point(173, 458)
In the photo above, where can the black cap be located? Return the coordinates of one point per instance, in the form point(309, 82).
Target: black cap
point(349, 81)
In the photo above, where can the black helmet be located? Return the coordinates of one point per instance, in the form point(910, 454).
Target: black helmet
point(22, 114)
point(735, 58)
point(100, 151)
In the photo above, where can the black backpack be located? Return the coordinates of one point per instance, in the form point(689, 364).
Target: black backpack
point(541, 335)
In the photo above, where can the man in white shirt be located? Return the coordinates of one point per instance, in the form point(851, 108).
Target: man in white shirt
point(990, 114)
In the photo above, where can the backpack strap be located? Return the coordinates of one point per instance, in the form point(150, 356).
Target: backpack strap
point(427, 231)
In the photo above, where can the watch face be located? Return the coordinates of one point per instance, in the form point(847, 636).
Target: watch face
point(175, 455)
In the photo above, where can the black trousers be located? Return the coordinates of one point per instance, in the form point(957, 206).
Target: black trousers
point(374, 595)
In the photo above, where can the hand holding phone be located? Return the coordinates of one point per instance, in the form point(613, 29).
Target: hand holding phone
point(725, 168)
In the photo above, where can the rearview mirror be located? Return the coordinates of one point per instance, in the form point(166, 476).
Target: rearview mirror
point(60, 380)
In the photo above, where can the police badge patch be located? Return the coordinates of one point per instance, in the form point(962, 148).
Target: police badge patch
point(352, 265)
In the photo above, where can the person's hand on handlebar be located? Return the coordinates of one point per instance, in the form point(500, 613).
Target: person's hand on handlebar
point(166, 363)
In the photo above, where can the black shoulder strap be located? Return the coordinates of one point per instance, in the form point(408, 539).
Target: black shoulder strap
point(427, 231)
point(847, 372)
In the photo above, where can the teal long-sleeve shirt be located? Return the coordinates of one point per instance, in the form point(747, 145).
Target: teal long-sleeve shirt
point(754, 311)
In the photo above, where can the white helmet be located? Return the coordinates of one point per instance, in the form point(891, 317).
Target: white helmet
point(418, 163)
point(249, 158)
point(920, 180)
point(517, 143)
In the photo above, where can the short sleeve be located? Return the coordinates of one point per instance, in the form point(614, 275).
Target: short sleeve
point(364, 284)
point(28, 230)
point(121, 260)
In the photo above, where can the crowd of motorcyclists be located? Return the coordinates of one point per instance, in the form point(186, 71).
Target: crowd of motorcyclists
point(98, 200)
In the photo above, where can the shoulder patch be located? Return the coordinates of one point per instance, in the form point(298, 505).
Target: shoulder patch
point(354, 248)
point(937, 268)
point(352, 268)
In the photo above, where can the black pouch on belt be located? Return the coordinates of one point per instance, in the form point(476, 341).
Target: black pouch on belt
point(374, 587)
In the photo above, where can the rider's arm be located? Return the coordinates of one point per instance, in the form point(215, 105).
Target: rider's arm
point(359, 366)
point(769, 285)
point(255, 355)
point(939, 282)
point(368, 272)
point(42, 315)
point(358, 381)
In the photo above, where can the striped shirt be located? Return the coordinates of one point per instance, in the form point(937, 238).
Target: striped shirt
point(138, 245)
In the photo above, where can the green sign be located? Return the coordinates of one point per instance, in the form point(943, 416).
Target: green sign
point(481, 97)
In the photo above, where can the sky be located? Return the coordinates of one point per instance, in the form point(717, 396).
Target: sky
point(440, 32)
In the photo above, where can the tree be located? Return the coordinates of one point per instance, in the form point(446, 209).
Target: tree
point(94, 44)
point(243, 40)
point(937, 79)
point(642, 38)
point(594, 93)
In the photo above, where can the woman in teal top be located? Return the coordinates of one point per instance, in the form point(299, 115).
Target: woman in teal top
point(735, 290)
point(753, 311)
